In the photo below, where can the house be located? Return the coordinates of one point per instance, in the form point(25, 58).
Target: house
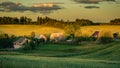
point(56, 37)
point(41, 37)
point(19, 43)
point(95, 34)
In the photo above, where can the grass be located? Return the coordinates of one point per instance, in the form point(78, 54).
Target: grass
point(18, 61)
point(64, 56)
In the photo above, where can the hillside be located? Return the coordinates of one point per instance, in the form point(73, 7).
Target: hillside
point(88, 54)
point(64, 56)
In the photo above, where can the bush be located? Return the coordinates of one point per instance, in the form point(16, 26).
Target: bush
point(105, 40)
point(6, 43)
point(84, 38)
point(29, 46)
point(94, 38)
point(69, 29)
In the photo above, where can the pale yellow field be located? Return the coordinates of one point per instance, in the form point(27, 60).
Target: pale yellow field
point(20, 30)
point(27, 29)
point(89, 30)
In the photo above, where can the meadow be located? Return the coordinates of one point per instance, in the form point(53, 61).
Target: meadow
point(63, 56)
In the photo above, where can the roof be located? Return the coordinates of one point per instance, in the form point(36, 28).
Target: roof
point(20, 40)
point(95, 33)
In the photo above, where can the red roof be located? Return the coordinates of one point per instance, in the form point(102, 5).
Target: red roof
point(95, 33)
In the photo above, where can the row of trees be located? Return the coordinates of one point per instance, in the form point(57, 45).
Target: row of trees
point(115, 21)
point(43, 21)
point(52, 22)
point(15, 20)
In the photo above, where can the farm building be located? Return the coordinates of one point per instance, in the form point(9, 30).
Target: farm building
point(19, 43)
point(95, 34)
point(56, 37)
point(41, 37)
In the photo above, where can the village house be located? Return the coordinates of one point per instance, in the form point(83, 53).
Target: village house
point(19, 43)
point(95, 34)
point(41, 37)
point(56, 37)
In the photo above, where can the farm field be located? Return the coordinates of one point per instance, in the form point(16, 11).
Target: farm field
point(49, 55)
point(64, 56)
point(27, 29)
point(19, 30)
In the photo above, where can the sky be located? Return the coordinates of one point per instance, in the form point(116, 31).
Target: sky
point(95, 10)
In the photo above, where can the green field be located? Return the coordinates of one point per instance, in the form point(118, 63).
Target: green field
point(63, 56)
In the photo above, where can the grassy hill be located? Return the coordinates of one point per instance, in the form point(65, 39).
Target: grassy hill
point(64, 56)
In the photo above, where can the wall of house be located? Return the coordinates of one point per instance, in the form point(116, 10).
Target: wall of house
point(17, 46)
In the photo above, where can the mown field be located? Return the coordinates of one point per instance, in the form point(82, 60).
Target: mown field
point(63, 56)
point(27, 29)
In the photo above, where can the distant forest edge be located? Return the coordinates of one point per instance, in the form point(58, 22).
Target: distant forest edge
point(47, 21)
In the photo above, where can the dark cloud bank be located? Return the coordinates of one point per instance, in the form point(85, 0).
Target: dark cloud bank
point(91, 7)
point(11, 6)
point(92, 1)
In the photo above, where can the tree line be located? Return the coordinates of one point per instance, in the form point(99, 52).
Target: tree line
point(47, 21)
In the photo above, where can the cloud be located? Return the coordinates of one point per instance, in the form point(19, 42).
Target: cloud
point(41, 7)
point(91, 7)
point(92, 1)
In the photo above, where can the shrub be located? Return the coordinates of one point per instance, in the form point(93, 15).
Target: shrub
point(69, 29)
point(6, 41)
point(84, 38)
point(78, 33)
point(105, 40)
point(29, 46)
point(93, 38)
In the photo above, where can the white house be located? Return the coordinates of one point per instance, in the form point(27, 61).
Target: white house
point(19, 43)
point(56, 37)
point(41, 37)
